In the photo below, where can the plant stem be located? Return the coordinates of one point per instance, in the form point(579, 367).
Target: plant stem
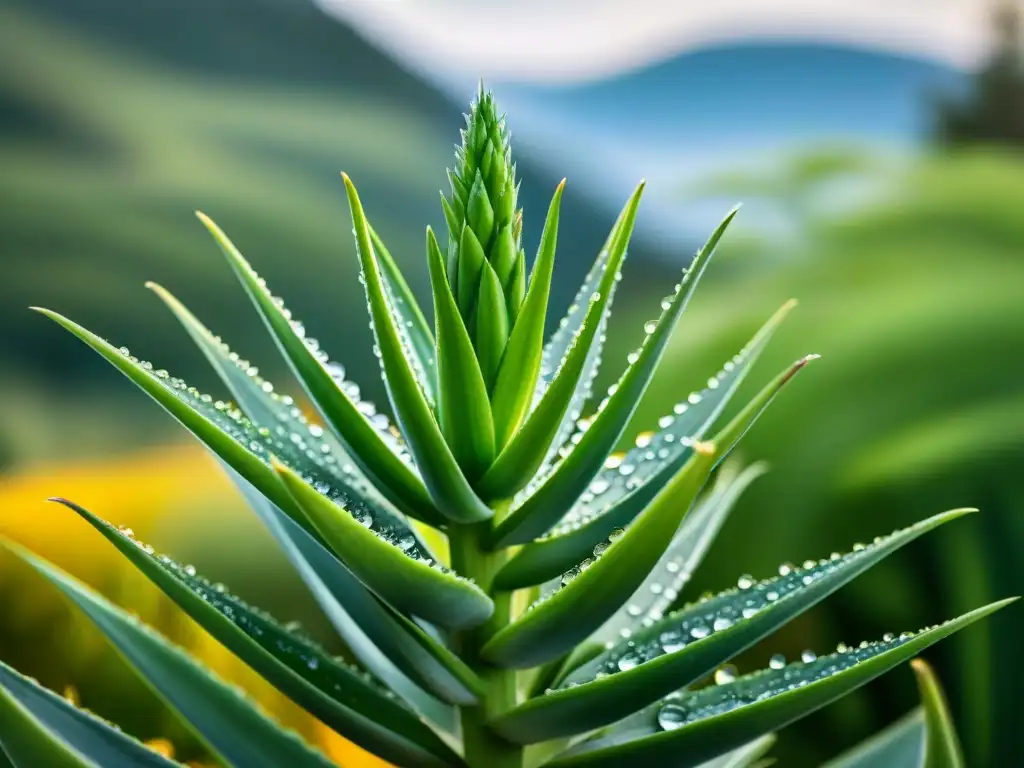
point(470, 558)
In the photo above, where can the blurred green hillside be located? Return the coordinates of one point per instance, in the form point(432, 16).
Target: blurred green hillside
point(119, 118)
point(916, 302)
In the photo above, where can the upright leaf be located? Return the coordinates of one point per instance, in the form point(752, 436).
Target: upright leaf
point(520, 364)
point(526, 447)
point(942, 748)
point(693, 727)
point(491, 325)
point(447, 484)
point(374, 453)
point(409, 317)
point(594, 591)
point(570, 478)
point(464, 408)
point(618, 494)
point(230, 725)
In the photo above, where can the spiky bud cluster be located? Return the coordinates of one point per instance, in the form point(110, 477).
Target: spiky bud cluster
point(486, 263)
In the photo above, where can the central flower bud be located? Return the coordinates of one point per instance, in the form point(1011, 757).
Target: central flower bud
point(486, 268)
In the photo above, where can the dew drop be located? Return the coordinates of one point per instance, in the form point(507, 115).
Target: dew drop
point(778, 661)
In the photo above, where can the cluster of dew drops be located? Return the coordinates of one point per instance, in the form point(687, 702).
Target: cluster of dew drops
point(309, 451)
point(288, 641)
point(718, 613)
point(403, 327)
point(730, 692)
point(652, 451)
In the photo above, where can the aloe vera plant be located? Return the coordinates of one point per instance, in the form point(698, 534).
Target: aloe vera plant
point(504, 582)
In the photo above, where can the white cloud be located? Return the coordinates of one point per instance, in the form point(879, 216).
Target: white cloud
point(455, 41)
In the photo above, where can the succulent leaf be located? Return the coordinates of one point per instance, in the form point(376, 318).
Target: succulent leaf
point(901, 744)
point(523, 454)
point(464, 408)
point(342, 697)
point(412, 583)
point(594, 591)
point(444, 479)
point(696, 726)
point(520, 364)
point(942, 748)
point(541, 509)
point(366, 442)
point(224, 720)
point(619, 493)
point(33, 716)
point(692, 642)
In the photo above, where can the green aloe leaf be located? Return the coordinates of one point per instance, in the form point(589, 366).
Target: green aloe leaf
point(618, 494)
point(697, 726)
point(901, 745)
point(690, 643)
point(491, 325)
point(268, 410)
point(366, 438)
point(24, 740)
point(29, 714)
point(464, 408)
point(447, 484)
point(570, 478)
point(399, 554)
point(417, 586)
point(521, 362)
point(397, 651)
point(661, 588)
point(409, 318)
point(594, 591)
point(743, 757)
point(355, 705)
point(230, 725)
point(525, 450)
point(942, 748)
point(561, 342)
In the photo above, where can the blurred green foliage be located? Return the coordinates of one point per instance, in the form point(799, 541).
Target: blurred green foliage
point(916, 302)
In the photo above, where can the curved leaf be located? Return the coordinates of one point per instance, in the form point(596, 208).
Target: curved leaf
point(591, 594)
point(464, 407)
point(370, 445)
point(519, 460)
point(901, 745)
point(521, 363)
point(690, 643)
point(248, 450)
point(25, 741)
point(698, 726)
point(422, 588)
point(265, 408)
point(662, 586)
point(942, 748)
point(80, 731)
point(230, 725)
point(396, 650)
point(570, 478)
point(409, 317)
point(347, 700)
point(445, 481)
point(618, 494)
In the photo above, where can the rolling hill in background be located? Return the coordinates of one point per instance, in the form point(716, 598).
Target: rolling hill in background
point(118, 118)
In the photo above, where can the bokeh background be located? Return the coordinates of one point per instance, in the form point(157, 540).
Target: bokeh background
point(877, 148)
